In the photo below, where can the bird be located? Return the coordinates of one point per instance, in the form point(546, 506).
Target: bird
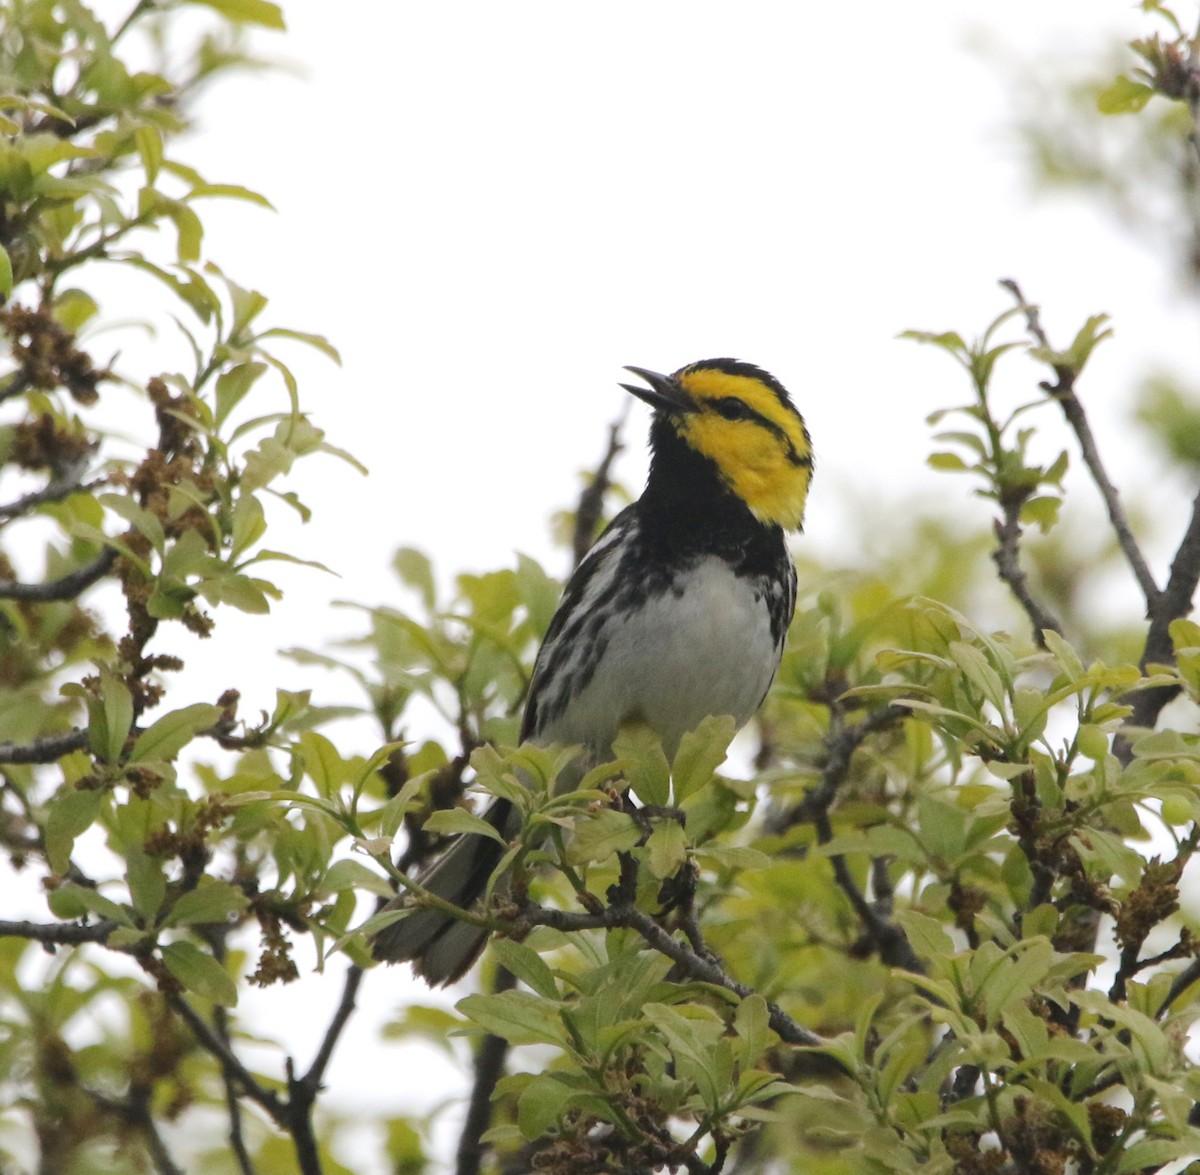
point(679, 611)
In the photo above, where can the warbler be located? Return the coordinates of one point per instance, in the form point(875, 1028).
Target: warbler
point(679, 611)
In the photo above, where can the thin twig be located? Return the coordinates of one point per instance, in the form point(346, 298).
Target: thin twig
point(311, 1081)
point(53, 491)
point(66, 588)
point(591, 502)
point(1008, 564)
point(233, 1106)
point(628, 916)
point(135, 1110)
point(1063, 390)
point(268, 1099)
point(840, 743)
point(489, 1067)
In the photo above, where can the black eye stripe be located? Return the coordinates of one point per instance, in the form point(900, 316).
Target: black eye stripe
point(731, 408)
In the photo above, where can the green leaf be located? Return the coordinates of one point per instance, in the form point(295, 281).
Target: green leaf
point(600, 834)
point(72, 812)
point(249, 524)
point(666, 849)
point(646, 767)
point(701, 752)
point(527, 965)
point(928, 938)
point(230, 191)
point(232, 386)
point(520, 1017)
point(541, 1105)
point(354, 875)
point(111, 716)
point(259, 12)
point(751, 1022)
point(74, 901)
point(1041, 512)
point(459, 820)
point(6, 274)
point(322, 763)
point(200, 973)
point(1123, 96)
point(415, 570)
point(211, 901)
point(149, 143)
point(138, 517)
point(147, 885)
point(321, 343)
point(162, 741)
point(946, 462)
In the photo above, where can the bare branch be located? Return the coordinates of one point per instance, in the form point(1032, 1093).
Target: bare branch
point(840, 744)
point(591, 502)
point(66, 588)
point(1008, 565)
point(230, 1064)
point(233, 1105)
point(1172, 603)
point(53, 491)
point(1063, 390)
point(489, 1067)
point(311, 1081)
point(43, 750)
point(55, 934)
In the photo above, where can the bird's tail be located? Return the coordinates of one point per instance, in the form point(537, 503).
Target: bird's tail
point(440, 947)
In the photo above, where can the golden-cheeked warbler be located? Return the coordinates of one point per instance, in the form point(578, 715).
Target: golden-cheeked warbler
point(679, 611)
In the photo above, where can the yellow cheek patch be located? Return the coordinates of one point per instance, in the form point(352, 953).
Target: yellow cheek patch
point(764, 456)
point(755, 463)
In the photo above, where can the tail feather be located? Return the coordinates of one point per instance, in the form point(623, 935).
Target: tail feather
point(440, 947)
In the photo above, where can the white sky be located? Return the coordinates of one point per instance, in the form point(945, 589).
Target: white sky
point(490, 208)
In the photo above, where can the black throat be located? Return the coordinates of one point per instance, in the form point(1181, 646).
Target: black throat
point(687, 507)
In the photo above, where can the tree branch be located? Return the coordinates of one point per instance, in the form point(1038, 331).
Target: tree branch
point(60, 933)
point(590, 509)
point(66, 588)
point(1172, 603)
point(53, 491)
point(230, 1064)
point(1008, 564)
point(840, 744)
point(43, 750)
point(628, 916)
point(489, 1067)
point(311, 1081)
point(1063, 390)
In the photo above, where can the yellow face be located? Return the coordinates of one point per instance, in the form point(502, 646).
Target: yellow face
point(756, 439)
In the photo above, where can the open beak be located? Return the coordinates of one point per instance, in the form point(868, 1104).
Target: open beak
point(663, 394)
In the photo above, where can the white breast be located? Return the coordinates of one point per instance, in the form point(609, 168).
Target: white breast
point(703, 648)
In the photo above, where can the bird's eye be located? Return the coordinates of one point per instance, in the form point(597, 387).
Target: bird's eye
point(732, 408)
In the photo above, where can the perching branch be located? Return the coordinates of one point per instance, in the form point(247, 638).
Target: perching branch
point(66, 588)
point(1063, 390)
